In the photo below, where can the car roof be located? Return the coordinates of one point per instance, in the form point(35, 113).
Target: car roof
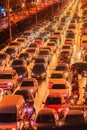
point(75, 112)
point(46, 111)
point(8, 72)
point(15, 101)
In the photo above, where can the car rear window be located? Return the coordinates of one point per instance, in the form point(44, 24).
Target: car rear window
point(58, 86)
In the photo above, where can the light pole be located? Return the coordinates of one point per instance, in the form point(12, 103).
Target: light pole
point(36, 12)
point(9, 20)
point(52, 8)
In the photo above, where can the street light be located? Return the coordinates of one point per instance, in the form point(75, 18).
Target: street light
point(9, 20)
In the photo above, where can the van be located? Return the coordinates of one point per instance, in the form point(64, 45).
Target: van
point(12, 112)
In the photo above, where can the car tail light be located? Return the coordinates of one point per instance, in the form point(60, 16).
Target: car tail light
point(60, 109)
point(50, 83)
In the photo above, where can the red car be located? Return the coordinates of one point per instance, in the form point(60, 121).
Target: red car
point(56, 102)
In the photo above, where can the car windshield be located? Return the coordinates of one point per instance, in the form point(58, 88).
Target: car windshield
point(56, 76)
point(50, 44)
point(10, 50)
point(58, 86)
point(66, 47)
point(61, 68)
point(45, 118)
point(17, 62)
point(43, 53)
point(4, 117)
point(38, 68)
point(27, 83)
point(5, 76)
point(53, 100)
point(39, 60)
point(33, 45)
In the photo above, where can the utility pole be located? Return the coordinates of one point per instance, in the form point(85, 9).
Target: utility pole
point(9, 20)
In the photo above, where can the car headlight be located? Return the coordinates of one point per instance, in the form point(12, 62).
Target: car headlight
point(66, 74)
point(31, 90)
point(10, 83)
point(20, 76)
point(43, 74)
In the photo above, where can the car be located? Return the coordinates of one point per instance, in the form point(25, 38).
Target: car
point(39, 71)
point(72, 27)
point(34, 45)
point(29, 34)
point(30, 84)
point(53, 45)
point(57, 33)
point(8, 80)
point(67, 47)
point(18, 62)
point(4, 58)
point(43, 35)
point(68, 41)
point(70, 35)
point(22, 72)
point(79, 66)
point(45, 53)
point(56, 75)
point(74, 117)
point(40, 59)
point(32, 51)
point(23, 41)
point(62, 67)
point(26, 57)
point(55, 38)
point(62, 88)
point(39, 42)
point(11, 52)
point(55, 101)
point(28, 100)
point(15, 45)
point(46, 118)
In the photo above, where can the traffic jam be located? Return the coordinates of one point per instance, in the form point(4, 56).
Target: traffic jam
point(43, 74)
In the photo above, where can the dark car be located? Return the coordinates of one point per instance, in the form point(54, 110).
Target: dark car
point(18, 62)
point(32, 52)
point(79, 67)
point(4, 59)
point(40, 60)
point(74, 117)
point(46, 54)
point(12, 52)
point(21, 71)
point(24, 93)
point(39, 71)
point(26, 57)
